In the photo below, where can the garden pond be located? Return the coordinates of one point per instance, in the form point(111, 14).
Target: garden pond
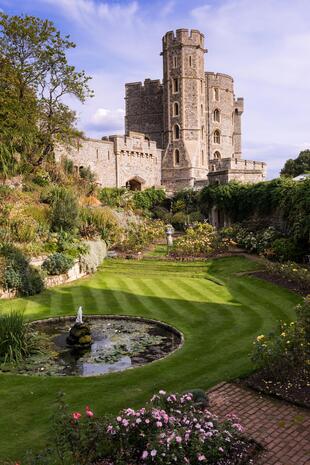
point(118, 343)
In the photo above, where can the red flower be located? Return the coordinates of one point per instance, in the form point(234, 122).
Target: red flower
point(76, 416)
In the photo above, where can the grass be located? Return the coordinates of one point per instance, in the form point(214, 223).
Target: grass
point(218, 312)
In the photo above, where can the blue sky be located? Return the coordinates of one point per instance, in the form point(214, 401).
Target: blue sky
point(264, 45)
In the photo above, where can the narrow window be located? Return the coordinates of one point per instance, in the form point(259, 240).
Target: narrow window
point(201, 107)
point(175, 61)
point(177, 156)
point(202, 132)
point(190, 60)
point(176, 131)
point(202, 158)
point(216, 115)
point(217, 155)
point(175, 109)
point(217, 137)
point(216, 93)
point(97, 154)
point(175, 85)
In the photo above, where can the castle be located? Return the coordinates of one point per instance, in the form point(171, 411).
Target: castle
point(183, 132)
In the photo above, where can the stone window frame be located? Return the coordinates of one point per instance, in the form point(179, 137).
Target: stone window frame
point(176, 132)
point(217, 155)
point(176, 157)
point(216, 94)
point(217, 136)
point(217, 115)
point(176, 105)
point(175, 85)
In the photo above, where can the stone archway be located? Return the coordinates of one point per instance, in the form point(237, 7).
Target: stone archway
point(135, 184)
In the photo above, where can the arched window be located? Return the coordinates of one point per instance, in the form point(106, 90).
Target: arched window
point(217, 137)
point(216, 115)
point(216, 94)
point(175, 109)
point(176, 131)
point(217, 155)
point(175, 85)
point(177, 157)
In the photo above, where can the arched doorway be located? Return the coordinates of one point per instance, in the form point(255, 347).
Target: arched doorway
point(135, 184)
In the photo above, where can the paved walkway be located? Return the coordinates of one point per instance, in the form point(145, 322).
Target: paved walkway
point(281, 428)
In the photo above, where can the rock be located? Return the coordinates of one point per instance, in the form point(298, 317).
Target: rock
point(79, 335)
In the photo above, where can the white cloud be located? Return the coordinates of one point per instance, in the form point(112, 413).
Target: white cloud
point(107, 120)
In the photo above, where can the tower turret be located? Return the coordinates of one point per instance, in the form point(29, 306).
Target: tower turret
point(185, 158)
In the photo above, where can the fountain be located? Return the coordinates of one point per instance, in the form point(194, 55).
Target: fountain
point(80, 333)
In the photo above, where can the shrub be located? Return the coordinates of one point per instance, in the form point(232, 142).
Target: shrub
point(100, 222)
point(18, 274)
point(57, 263)
point(284, 249)
point(114, 197)
point(87, 174)
point(170, 429)
point(287, 347)
point(179, 220)
point(16, 339)
point(148, 199)
point(198, 240)
point(139, 235)
point(292, 272)
point(64, 210)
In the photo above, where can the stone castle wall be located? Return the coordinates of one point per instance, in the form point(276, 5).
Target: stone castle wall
point(116, 160)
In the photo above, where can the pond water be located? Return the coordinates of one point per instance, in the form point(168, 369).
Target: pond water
point(117, 344)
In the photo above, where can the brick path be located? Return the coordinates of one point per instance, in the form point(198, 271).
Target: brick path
point(281, 428)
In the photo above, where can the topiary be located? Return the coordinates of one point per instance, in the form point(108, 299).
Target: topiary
point(57, 263)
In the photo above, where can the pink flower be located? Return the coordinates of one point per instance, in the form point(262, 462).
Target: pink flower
point(201, 457)
point(178, 439)
point(125, 422)
point(221, 449)
point(119, 419)
point(153, 452)
point(159, 424)
point(76, 416)
point(145, 454)
point(89, 413)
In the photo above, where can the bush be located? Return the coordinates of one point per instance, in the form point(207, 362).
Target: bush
point(114, 197)
point(64, 210)
point(179, 220)
point(140, 235)
point(292, 272)
point(198, 240)
point(18, 274)
point(99, 222)
point(148, 199)
point(16, 339)
point(57, 263)
point(284, 249)
point(170, 429)
point(287, 347)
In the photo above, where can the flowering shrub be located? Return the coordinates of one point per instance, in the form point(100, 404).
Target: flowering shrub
point(286, 348)
point(57, 264)
point(255, 242)
point(140, 235)
point(171, 429)
point(200, 239)
point(297, 274)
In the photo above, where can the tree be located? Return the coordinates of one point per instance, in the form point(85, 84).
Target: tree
point(37, 53)
point(298, 166)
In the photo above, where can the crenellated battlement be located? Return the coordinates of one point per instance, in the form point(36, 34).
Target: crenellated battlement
point(185, 37)
point(148, 86)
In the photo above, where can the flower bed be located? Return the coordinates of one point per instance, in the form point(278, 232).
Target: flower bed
point(282, 359)
point(170, 429)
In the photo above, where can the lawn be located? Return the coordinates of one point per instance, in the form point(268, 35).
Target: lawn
point(218, 311)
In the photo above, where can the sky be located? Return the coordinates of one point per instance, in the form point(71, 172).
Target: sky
point(263, 44)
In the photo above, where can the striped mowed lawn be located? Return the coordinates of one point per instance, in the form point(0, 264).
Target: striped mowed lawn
point(218, 311)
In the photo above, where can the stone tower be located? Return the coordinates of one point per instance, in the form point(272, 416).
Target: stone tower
point(185, 158)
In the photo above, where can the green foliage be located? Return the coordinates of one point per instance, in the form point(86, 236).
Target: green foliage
point(113, 197)
point(198, 240)
point(16, 339)
point(285, 249)
point(99, 222)
point(35, 78)
point(64, 211)
point(18, 274)
point(57, 264)
point(292, 272)
point(87, 174)
point(140, 235)
point(282, 198)
point(148, 199)
point(287, 347)
point(300, 165)
point(179, 220)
